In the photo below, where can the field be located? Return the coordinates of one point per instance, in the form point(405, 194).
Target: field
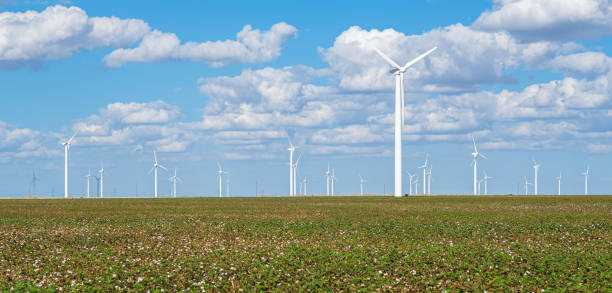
point(314, 244)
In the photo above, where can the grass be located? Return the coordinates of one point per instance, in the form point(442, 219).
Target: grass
point(313, 244)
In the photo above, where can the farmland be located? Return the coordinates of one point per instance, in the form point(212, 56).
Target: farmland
point(310, 243)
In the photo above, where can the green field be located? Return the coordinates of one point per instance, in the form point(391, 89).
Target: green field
point(315, 244)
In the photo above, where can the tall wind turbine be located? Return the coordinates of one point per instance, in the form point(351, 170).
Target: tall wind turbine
point(536, 167)
point(291, 149)
point(174, 179)
point(476, 154)
point(154, 168)
point(361, 183)
point(410, 176)
point(88, 178)
point(586, 180)
point(399, 71)
point(327, 177)
point(220, 174)
point(66, 145)
point(424, 167)
point(101, 171)
point(559, 184)
point(486, 179)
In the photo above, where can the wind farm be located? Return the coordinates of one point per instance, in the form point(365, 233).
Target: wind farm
point(289, 146)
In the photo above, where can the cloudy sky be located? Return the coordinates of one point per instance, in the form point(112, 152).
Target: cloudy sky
point(228, 81)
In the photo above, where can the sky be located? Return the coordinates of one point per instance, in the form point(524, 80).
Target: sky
point(202, 82)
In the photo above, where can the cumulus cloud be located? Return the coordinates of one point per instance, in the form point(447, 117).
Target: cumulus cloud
point(587, 64)
point(251, 46)
point(549, 19)
point(465, 60)
point(28, 38)
point(22, 143)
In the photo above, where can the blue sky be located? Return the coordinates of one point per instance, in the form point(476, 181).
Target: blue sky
point(226, 81)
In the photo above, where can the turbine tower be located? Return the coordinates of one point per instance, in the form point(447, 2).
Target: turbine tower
point(174, 179)
point(291, 149)
point(101, 171)
point(88, 178)
point(220, 173)
point(476, 154)
point(429, 181)
point(536, 167)
point(333, 181)
point(399, 71)
point(486, 179)
point(526, 185)
point(33, 183)
point(66, 145)
point(227, 185)
point(304, 184)
point(424, 167)
point(154, 168)
point(361, 183)
point(586, 180)
point(559, 184)
point(295, 166)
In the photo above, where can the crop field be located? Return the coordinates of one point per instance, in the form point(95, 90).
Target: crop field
point(454, 243)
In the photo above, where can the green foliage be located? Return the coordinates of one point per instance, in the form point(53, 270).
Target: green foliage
point(307, 244)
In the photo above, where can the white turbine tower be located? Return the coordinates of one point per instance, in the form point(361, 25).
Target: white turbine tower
point(227, 185)
point(101, 171)
point(536, 167)
point(429, 181)
point(66, 144)
point(479, 181)
point(304, 185)
point(291, 149)
point(295, 166)
point(526, 185)
point(174, 179)
point(361, 183)
point(87, 177)
point(410, 176)
point(154, 168)
point(327, 177)
point(399, 71)
point(486, 180)
point(333, 181)
point(586, 180)
point(476, 154)
point(424, 167)
point(220, 173)
point(559, 184)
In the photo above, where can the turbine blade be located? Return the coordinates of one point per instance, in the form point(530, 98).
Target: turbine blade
point(150, 171)
point(161, 166)
point(155, 156)
point(482, 156)
point(71, 138)
point(474, 142)
point(389, 60)
point(417, 59)
point(219, 165)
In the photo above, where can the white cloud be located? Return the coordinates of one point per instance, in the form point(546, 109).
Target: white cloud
point(587, 64)
point(28, 38)
point(22, 143)
point(251, 46)
point(549, 19)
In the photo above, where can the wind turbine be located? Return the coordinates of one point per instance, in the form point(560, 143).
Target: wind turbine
point(154, 168)
point(416, 184)
point(526, 185)
point(424, 167)
point(66, 145)
point(559, 184)
point(87, 177)
point(220, 173)
point(476, 154)
point(173, 179)
point(586, 180)
point(227, 185)
point(486, 179)
point(304, 184)
point(399, 71)
point(479, 181)
point(410, 176)
point(361, 183)
point(327, 177)
point(536, 166)
point(33, 183)
point(101, 171)
point(333, 181)
point(291, 149)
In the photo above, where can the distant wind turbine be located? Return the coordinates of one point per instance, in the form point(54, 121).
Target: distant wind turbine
point(227, 186)
point(327, 177)
point(559, 184)
point(66, 144)
point(429, 181)
point(361, 183)
point(304, 185)
point(333, 181)
point(410, 176)
point(220, 174)
point(174, 179)
point(586, 180)
point(33, 183)
point(291, 149)
point(536, 167)
point(399, 71)
point(295, 167)
point(87, 177)
point(101, 171)
point(424, 167)
point(486, 180)
point(526, 185)
point(156, 165)
point(475, 156)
